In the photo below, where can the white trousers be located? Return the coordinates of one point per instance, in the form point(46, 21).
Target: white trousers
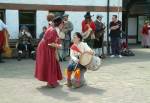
point(98, 51)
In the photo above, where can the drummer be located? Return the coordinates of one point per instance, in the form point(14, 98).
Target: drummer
point(74, 66)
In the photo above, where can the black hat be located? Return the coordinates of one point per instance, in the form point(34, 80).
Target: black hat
point(87, 15)
point(99, 15)
point(57, 21)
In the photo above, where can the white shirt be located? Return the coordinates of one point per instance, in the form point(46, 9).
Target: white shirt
point(83, 47)
point(2, 25)
point(57, 30)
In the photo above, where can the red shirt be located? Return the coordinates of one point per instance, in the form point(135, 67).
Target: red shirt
point(85, 26)
point(145, 30)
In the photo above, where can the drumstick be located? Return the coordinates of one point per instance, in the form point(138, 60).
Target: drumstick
point(76, 66)
point(55, 45)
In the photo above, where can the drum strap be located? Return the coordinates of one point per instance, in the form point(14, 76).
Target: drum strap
point(75, 48)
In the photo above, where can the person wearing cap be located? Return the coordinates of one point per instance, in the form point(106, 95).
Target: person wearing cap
point(3, 28)
point(88, 29)
point(47, 67)
point(99, 33)
point(146, 35)
point(65, 36)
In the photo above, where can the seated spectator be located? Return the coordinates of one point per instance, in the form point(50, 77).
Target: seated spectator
point(25, 41)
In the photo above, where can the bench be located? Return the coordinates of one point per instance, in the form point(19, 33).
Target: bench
point(12, 45)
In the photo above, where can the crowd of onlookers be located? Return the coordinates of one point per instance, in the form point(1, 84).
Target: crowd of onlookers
point(92, 33)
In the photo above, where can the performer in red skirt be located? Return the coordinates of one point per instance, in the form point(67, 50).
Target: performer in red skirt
point(47, 66)
point(146, 35)
point(2, 38)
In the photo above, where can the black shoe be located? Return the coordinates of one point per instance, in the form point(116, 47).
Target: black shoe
point(33, 56)
point(64, 59)
point(19, 57)
point(102, 57)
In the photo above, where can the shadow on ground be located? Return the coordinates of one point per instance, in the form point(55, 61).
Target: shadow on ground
point(141, 55)
point(25, 68)
point(65, 94)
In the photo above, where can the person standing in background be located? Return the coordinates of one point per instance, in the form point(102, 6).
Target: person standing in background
point(115, 31)
point(65, 35)
point(99, 34)
point(88, 30)
point(50, 18)
point(146, 35)
point(43, 32)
